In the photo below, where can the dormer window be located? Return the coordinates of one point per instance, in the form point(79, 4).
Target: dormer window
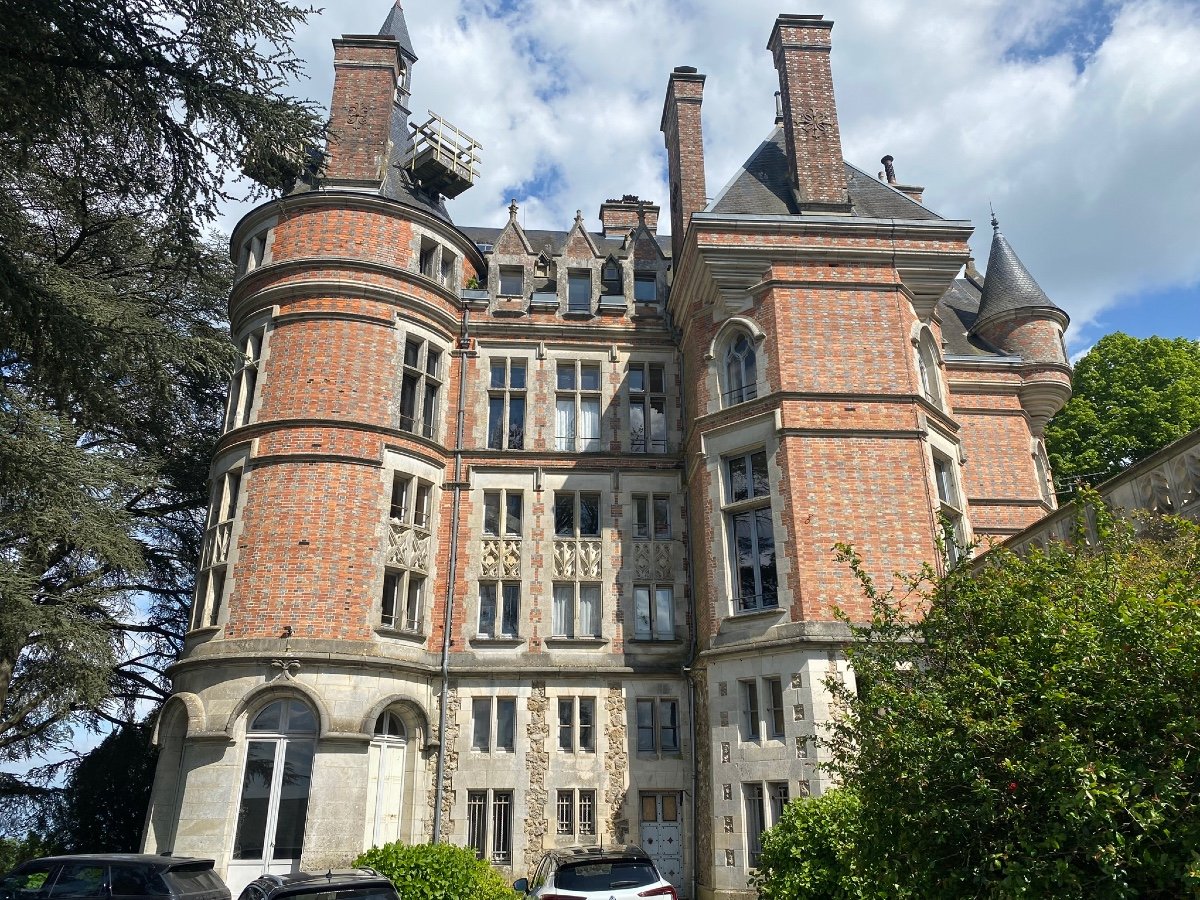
point(579, 291)
point(541, 266)
point(512, 281)
point(741, 371)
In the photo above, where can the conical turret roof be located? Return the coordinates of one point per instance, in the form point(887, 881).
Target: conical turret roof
point(1008, 286)
point(395, 26)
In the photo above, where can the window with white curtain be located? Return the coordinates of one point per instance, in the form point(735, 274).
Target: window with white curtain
point(577, 406)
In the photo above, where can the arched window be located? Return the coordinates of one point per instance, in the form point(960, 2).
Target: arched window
point(387, 775)
point(280, 744)
point(741, 371)
point(927, 367)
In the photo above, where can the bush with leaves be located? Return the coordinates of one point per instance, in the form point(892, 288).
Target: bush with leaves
point(437, 872)
point(1037, 732)
point(810, 853)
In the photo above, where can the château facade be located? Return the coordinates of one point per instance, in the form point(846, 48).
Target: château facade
point(523, 539)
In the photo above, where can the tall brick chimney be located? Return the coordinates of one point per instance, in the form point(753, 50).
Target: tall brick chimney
point(801, 45)
point(366, 69)
point(685, 150)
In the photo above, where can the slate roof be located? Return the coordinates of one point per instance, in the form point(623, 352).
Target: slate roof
point(538, 239)
point(761, 187)
point(1008, 285)
point(959, 308)
point(395, 26)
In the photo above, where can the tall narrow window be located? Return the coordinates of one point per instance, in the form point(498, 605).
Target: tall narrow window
point(645, 287)
point(244, 385)
point(750, 532)
point(577, 556)
point(579, 291)
point(500, 585)
point(751, 713)
point(950, 507)
point(577, 406)
point(402, 603)
point(927, 369)
point(647, 408)
point(506, 405)
point(756, 821)
point(576, 724)
point(741, 371)
point(576, 611)
point(254, 252)
point(773, 691)
point(280, 743)
point(653, 612)
point(420, 384)
point(214, 555)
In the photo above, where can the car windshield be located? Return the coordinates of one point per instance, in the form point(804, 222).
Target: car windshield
point(605, 876)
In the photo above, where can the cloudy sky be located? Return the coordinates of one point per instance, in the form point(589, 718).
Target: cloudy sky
point(1079, 120)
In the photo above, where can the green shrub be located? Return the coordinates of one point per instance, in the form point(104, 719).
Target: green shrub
point(436, 872)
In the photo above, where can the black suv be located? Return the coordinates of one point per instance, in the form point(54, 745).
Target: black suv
point(356, 884)
point(109, 876)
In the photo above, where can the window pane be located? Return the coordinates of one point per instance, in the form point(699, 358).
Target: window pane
point(487, 609)
point(645, 725)
point(775, 699)
point(662, 518)
point(587, 716)
point(498, 373)
point(637, 427)
point(564, 424)
point(658, 425)
point(670, 808)
point(589, 378)
point(495, 432)
point(566, 724)
point(511, 281)
point(400, 485)
point(769, 585)
point(564, 514)
point(668, 713)
point(645, 288)
point(637, 379)
point(512, 602)
point(408, 402)
point(250, 842)
point(657, 380)
point(737, 484)
point(412, 609)
point(649, 807)
point(293, 800)
point(516, 375)
point(579, 291)
point(491, 512)
point(762, 481)
point(564, 610)
point(300, 719)
point(516, 423)
point(566, 376)
point(664, 613)
point(744, 559)
point(641, 612)
point(641, 516)
point(750, 711)
point(512, 513)
point(589, 425)
point(412, 353)
point(589, 610)
point(269, 719)
point(429, 409)
point(481, 723)
point(421, 505)
point(433, 359)
point(589, 515)
point(506, 714)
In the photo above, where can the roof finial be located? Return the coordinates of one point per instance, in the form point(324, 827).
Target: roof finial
point(995, 221)
point(579, 217)
point(512, 210)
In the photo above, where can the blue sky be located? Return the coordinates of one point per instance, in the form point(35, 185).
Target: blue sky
point(1078, 119)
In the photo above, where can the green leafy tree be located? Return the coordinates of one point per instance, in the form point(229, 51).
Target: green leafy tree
point(811, 852)
point(1037, 732)
point(437, 872)
point(1131, 397)
point(122, 123)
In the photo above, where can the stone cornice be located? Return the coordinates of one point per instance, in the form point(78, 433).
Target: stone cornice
point(257, 430)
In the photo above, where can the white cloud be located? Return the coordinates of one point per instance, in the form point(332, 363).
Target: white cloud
point(1078, 119)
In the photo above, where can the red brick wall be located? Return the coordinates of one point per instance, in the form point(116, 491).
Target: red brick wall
point(682, 131)
point(365, 72)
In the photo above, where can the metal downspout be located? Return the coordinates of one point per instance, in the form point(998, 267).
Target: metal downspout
point(463, 345)
point(691, 686)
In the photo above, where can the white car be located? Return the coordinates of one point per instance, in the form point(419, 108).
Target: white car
point(596, 873)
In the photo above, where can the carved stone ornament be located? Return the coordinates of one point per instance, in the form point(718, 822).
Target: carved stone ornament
point(288, 667)
point(814, 123)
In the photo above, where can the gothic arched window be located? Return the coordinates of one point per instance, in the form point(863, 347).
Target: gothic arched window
point(741, 371)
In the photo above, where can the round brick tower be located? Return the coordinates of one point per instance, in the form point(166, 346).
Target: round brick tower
point(314, 618)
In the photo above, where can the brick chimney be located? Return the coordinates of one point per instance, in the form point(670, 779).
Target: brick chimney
point(619, 217)
point(801, 45)
point(366, 68)
point(685, 150)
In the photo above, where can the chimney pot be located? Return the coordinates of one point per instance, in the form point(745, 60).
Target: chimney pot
point(889, 168)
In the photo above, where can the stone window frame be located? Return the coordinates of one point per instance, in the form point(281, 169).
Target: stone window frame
point(645, 398)
point(578, 740)
point(409, 541)
point(577, 395)
point(490, 824)
point(657, 727)
point(928, 362)
point(653, 608)
point(729, 332)
point(506, 393)
point(437, 262)
point(761, 714)
point(494, 740)
point(417, 369)
point(502, 559)
point(575, 812)
point(949, 497)
point(245, 384)
point(226, 500)
point(766, 795)
point(257, 250)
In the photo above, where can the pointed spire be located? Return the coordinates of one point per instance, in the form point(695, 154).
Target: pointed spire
point(512, 210)
point(395, 26)
point(1008, 286)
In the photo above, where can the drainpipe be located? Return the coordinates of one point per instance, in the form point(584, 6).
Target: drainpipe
point(460, 423)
